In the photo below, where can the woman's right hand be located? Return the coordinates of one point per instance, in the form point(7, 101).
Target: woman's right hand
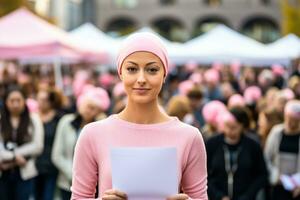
point(114, 195)
point(20, 160)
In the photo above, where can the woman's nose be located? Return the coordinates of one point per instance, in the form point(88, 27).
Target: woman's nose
point(141, 77)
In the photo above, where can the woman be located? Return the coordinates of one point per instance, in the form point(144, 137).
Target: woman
point(21, 140)
point(143, 67)
point(282, 151)
point(90, 104)
point(49, 104)
point(236, 167)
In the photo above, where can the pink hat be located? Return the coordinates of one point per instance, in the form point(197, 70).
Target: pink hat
point(196, 77)
point(252, 94)
point(143, 41)
point(217, 66)
point(292, 108)
point(119, 90)
point(106, 80)
point(80, 80)
point(278, 70)
point(185, 86)
point(32, 105)
point(212, 75)
point(97, 95)
point(235, 66)
point(211, 111)
point(236, 100)
point(288, 94)
point(223, 117)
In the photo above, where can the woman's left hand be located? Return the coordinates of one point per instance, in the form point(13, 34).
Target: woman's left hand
point(179, 197)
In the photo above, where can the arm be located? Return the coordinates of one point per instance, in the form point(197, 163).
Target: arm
point(35, 147)
point(270, 153)
point(85, 169)
point(58, 157)
point(261, 174)
point(194, 177)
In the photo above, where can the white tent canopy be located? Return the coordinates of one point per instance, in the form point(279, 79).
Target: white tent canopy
point(288, 46)
point(225, 45)
point(89, 36)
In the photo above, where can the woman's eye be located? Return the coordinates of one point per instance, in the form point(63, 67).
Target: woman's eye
point(153, 70)
point(131, 69)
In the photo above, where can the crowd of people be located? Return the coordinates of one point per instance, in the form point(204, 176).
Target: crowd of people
point(248, 117)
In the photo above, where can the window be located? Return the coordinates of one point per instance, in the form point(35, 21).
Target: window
point(126, 3)
point(213, 2)
point(167, 2)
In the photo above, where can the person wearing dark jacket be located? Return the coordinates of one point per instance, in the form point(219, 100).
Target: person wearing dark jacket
point(236, 166)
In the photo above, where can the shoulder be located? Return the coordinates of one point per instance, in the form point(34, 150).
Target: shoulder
point(67, 118)
point(276, 131)
point(94, 127)
point(215, 140)
point(251, 142)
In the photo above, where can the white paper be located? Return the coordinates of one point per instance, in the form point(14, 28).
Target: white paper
point(145, 173)
point(290, 182)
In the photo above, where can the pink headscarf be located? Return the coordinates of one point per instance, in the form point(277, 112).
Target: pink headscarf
point(143, 41)
point(185, 86)
point(211, 111)
point(97, 95)
point(292, 108)
point(196, 77)
point(252, 94)
point(32, 105)
point(212, 75)
point(236, 100)
point(223, 117)
point(278, 70)
point(119, 90)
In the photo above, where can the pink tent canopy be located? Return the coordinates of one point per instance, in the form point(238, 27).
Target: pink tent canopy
point(24, 35)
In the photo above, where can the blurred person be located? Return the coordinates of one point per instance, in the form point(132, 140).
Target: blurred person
point(266, 80)
point(235, 162)
point(143, 65)
point(279, 73)
point(90, 104)
point(248, 78)
point(282, 151)
point(211, 112)
point(195, 96)
point(267, 119)
point(49, 109)
point(236, 100)
point(21, 140)
point(212, 89)
point(227, 91)
point(252, 95)
point(294, 85)
point(179, 107)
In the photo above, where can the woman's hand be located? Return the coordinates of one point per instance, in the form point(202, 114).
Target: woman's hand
point(296, 192)
point(7, 165)
point(20, 160)
point(114, 195)
point(179, 197)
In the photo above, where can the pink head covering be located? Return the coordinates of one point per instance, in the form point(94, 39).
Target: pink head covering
point(278, 70)
point(143, 41)
point(191, 66)
point(217, 66)
point(196, 77)
point(106, 80)
point(32, 105)
point(212, 75)
point(235, 66)
point(211, 111)
point(119, 90)
point(292, 108)
point(223, 117)
point(97, 95)
point(185, 86)
point(80, 80)
point(236, 100)
point(288, 94)
point(252, 94)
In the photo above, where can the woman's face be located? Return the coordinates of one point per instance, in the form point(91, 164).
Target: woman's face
point(88, 110)
point(233, 130)
point(43, 101)
point(15, 103)
point(143, 75)
point(292, 124)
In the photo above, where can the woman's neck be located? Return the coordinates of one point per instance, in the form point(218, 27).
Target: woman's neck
point(47, 115)
point(143, 113)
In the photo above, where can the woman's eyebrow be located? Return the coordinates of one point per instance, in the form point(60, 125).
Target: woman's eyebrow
point(132, 62)
point(150, 63)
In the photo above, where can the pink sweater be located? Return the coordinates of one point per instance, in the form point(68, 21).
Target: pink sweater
point(92, 161)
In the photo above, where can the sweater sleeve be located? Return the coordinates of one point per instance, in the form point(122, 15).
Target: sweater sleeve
point(63, 163)
point(36, 145)
point(85, 168)
point(194, 178)
point(270, 153)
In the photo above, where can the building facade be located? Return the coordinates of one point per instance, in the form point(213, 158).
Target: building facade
point(192, 17)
